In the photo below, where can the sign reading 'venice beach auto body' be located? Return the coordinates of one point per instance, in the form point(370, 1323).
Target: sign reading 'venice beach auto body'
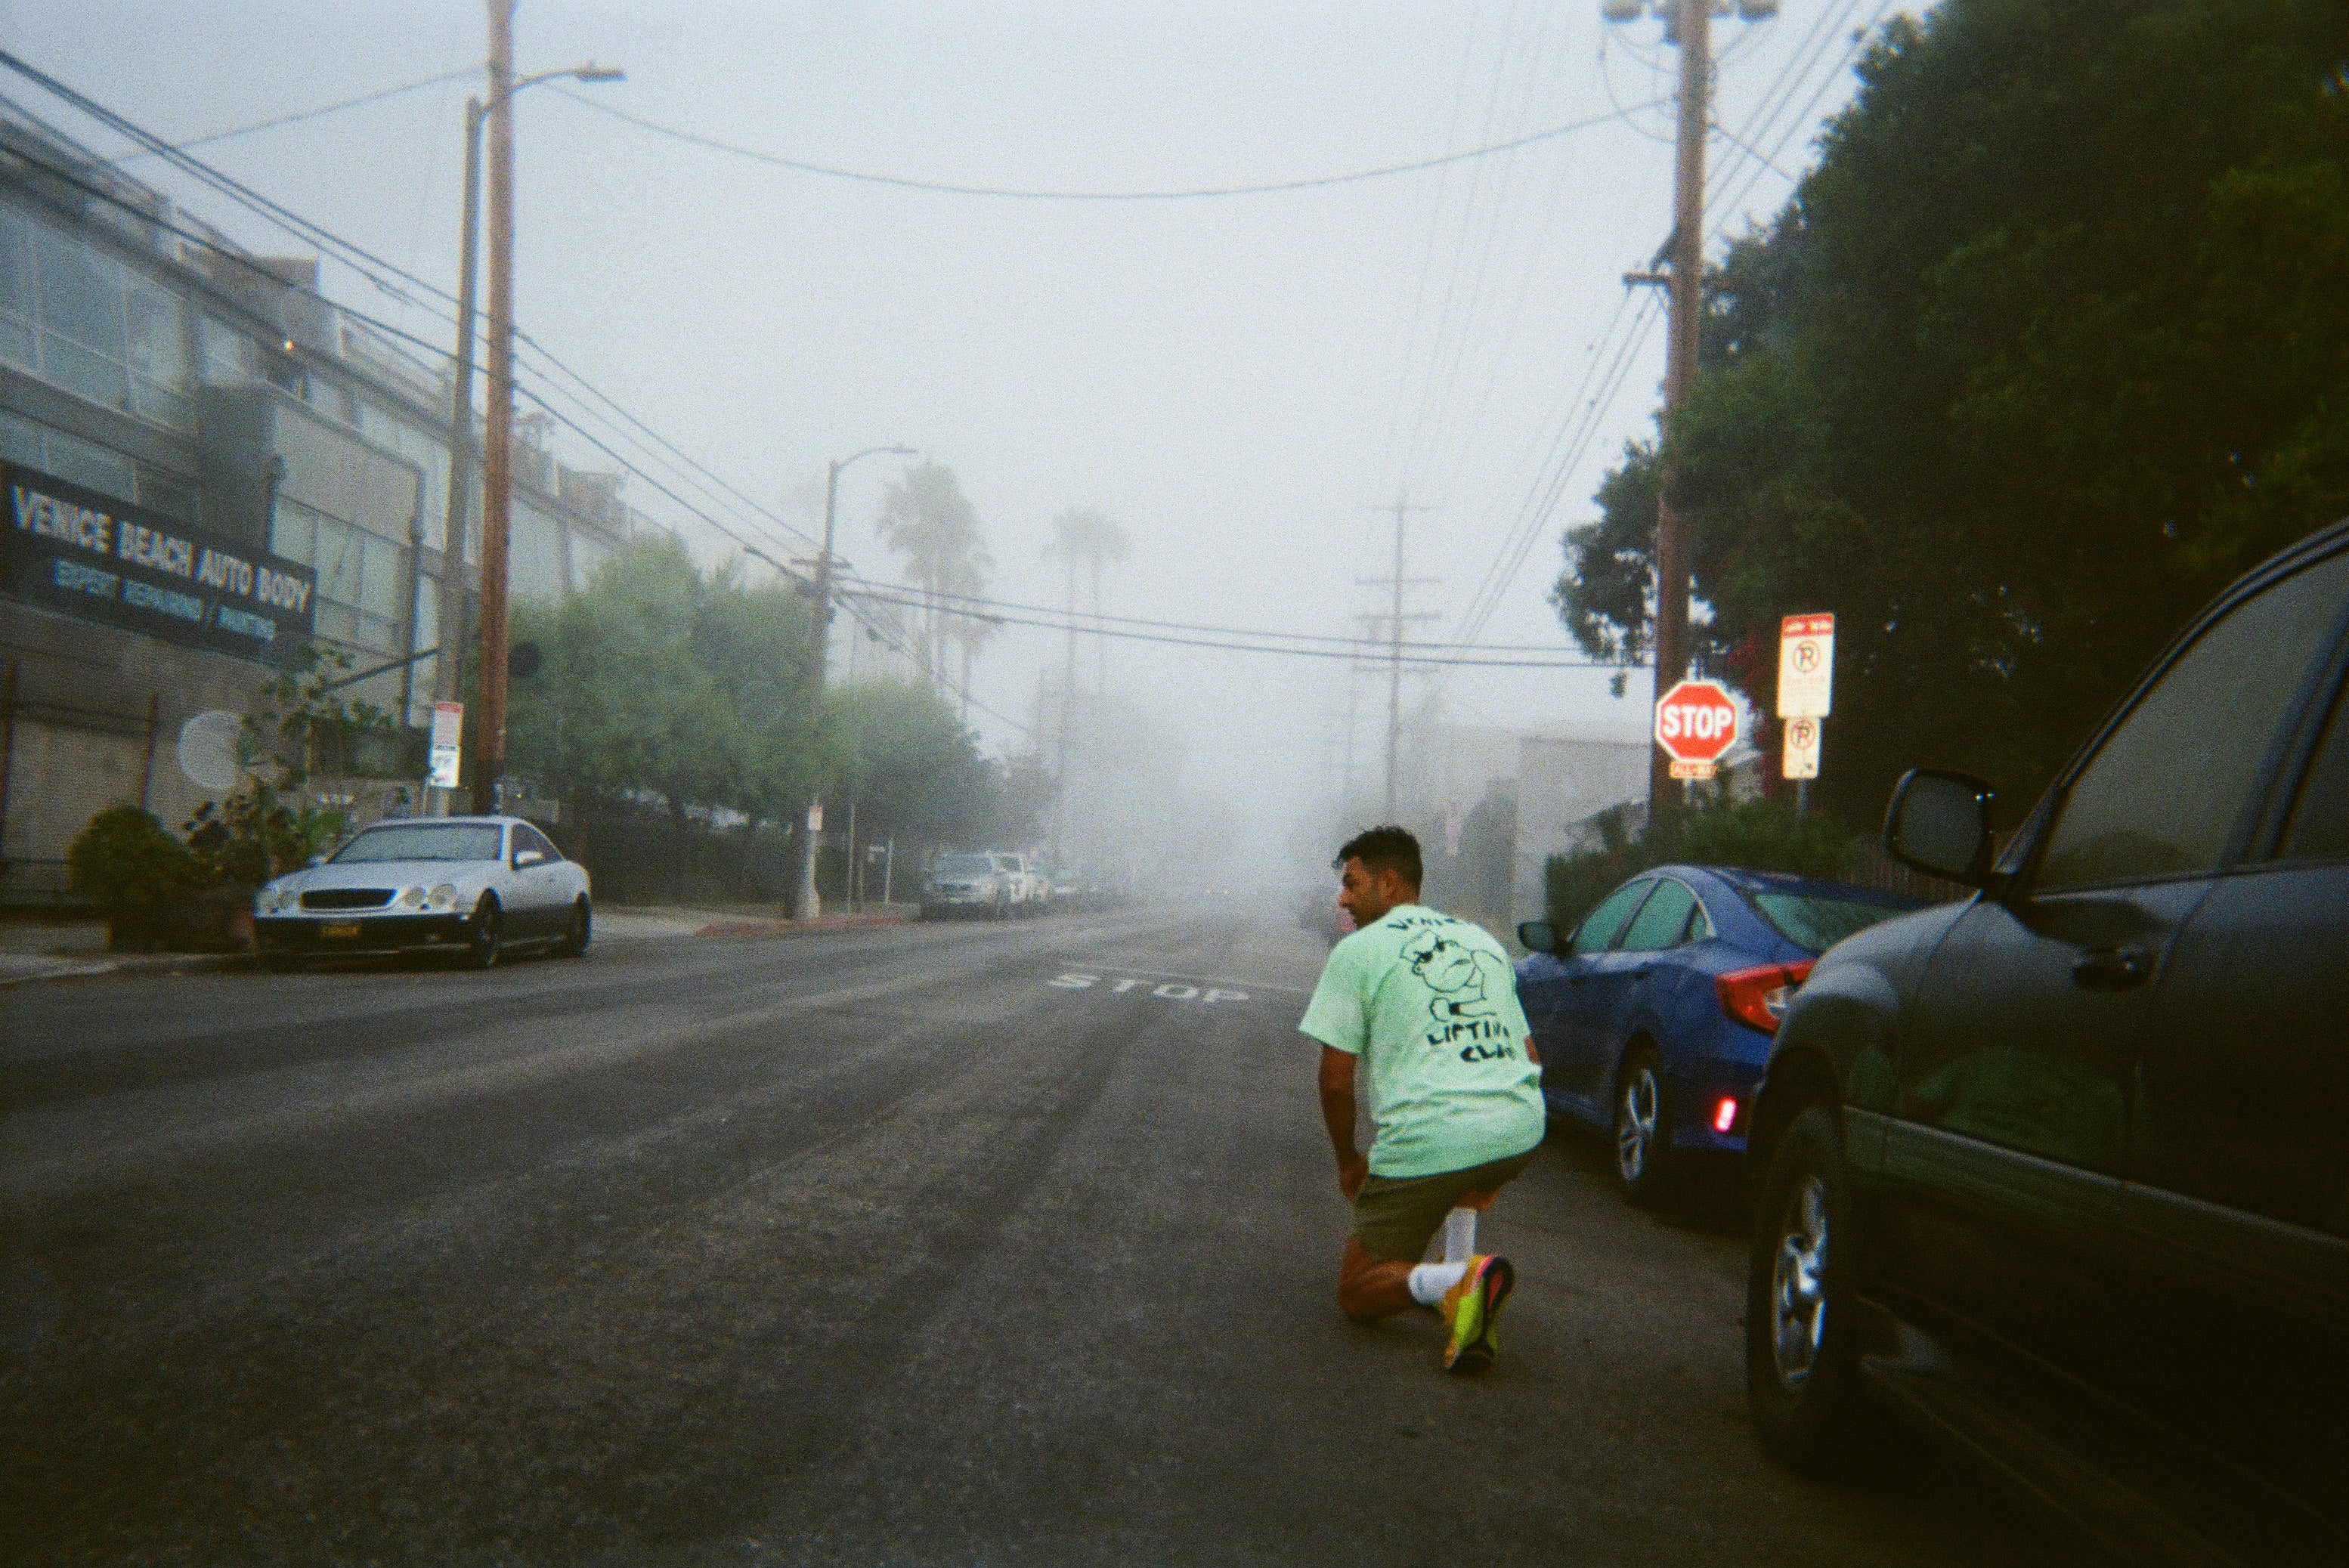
point(73, 549)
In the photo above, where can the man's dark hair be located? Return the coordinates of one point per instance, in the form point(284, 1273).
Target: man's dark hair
point(1385, 849)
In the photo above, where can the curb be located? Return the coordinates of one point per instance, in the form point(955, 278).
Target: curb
point(797, 927)
point(160, 963)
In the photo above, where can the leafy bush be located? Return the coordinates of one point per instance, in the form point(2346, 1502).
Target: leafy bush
point(128, 864)
point(1754, 835)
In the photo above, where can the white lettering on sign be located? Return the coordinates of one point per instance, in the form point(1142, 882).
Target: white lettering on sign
point(281, 589)
point(41, 514)
point(1165, 991)
point(219, 569)
point(152, 548)
point(1696, 721)
point(228, 618)
point(80, 579)
point(164, 601)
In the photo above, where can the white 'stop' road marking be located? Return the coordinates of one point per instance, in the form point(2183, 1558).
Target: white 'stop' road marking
point(1165, 990)
point(1097, 966)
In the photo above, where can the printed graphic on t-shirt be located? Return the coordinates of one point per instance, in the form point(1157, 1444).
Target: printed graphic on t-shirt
point(1462, 1008)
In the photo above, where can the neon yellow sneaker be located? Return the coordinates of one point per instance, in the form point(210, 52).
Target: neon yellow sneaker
point(1469, 1309)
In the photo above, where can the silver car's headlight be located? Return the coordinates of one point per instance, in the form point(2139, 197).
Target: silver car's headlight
point(440, 897)
point(274, 899)
point(410, 898)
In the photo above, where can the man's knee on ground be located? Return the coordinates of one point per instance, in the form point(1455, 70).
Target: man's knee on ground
point(1368, 1287)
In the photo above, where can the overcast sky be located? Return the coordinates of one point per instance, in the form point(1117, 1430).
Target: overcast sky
point(1237, 381)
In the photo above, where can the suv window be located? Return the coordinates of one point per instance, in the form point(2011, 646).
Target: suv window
point(2319, 817)
point(526, 837)
point(1662, 919)
point(1599, 926)
point(2163, 794)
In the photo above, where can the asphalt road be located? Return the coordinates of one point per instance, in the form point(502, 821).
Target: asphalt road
point(875, 1247)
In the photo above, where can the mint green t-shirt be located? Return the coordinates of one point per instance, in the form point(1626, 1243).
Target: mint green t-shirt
point(1430, 1004)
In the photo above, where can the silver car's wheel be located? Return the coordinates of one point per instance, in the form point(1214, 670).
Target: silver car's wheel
point(486, 943)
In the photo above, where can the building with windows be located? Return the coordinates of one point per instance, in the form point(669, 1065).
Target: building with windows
point(209, 465)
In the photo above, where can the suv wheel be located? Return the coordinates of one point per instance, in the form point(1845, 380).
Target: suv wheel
point(1643, 1134)
point(1802, 1352)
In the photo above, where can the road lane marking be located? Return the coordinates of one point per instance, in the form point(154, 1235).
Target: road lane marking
point(1251, 983)
point(1163, 990)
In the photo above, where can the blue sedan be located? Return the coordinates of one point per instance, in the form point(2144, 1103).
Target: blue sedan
point(1654, 1016)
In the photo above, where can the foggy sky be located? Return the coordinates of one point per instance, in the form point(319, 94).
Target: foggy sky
point(1237, 381)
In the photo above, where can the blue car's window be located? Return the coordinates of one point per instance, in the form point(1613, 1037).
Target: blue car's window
point(1818, 924)
point(1700, 925)
point(422, 841)
point(1661, 920)
point(1599, 926)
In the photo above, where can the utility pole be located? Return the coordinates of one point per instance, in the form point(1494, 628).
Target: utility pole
point(1395, 619)
point(819, 642)
point(1695, 29)
point(497, 455)
point(451, 686)
point(1068, 715)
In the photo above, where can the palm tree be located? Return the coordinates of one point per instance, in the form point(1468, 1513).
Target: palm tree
point(925, 518)
point(1090, 535)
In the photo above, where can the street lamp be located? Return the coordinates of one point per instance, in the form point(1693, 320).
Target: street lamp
point(809, 905)
point(490, 757)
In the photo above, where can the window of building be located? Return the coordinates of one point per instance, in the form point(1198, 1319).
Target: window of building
point(359, 575)
point(225, 357)
point(428, 452)
point(80, 320)
point(535, 563)
point(588, 554)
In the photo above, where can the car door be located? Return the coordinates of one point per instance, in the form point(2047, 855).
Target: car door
point(2020, 1070)
point(1633, 981)
point(1591, 989)
point(541, 904)
point(2236, 1202)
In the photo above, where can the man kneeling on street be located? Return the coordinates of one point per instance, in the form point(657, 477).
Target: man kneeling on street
point(1430, 1004)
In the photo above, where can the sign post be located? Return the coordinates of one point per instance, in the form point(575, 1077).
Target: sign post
point(448, 744)
point(1805, 694)
point(1696, 722)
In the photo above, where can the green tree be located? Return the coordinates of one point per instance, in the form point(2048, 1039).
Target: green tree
point(903, 756)
point(2048, 346)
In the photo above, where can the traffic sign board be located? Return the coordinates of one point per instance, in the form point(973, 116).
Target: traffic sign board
point(1801, 759)
point(1696, 721)
point(447, 739)
point(1805, 665)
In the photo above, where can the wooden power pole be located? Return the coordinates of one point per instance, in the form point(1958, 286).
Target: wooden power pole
point(497, 443)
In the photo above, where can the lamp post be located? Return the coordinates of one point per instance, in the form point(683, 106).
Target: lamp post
point(492, 112)
point(819, 638)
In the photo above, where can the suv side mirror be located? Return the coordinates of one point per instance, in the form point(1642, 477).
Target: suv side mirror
point(1537, 936)
point(1938, 823)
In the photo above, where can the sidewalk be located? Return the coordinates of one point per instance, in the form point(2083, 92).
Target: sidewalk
point(34, 950)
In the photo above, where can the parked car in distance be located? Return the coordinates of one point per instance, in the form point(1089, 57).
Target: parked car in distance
point(2062, 1171)
point(1032, 890)
point(1654, 1013)
point(967, 884)
point(479, 887)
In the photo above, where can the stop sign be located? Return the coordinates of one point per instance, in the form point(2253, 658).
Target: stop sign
point(1696, 721)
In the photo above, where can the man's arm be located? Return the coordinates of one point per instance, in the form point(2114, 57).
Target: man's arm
point(1338, 1113)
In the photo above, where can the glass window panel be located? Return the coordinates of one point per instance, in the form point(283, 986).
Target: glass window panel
point(338, 560)
point(379, 574)
point(81, 291)
point(292, 534)
point(1599, 926)
point(15, 265)
point(87, 463)
point(536, 565)
point(17, 344)
point(159, 337)
point(428, 612)
point(1661, 920)
point(149, 401)
point(79, 371)
point(224, 357)
point(167, 493)
point(587, 555)
point(20, 442)
point(2320, 819)
point(2163, 795)
point(378, 632)
point(340, 622)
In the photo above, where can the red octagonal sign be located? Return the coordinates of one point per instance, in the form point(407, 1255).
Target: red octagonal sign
point(1696, 721)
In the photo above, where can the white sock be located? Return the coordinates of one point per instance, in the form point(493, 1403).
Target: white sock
point(1430, 1281)
point(1459, 1236)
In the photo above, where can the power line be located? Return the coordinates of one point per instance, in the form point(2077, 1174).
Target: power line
point(944, 188)
point(297, 118)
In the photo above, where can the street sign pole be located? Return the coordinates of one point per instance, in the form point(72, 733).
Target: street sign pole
point(1805, 694)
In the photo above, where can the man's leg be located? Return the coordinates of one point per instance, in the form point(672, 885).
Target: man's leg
point(1371, 1288)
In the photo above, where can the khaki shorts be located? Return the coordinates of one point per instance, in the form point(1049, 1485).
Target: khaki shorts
point(1396, 1216)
